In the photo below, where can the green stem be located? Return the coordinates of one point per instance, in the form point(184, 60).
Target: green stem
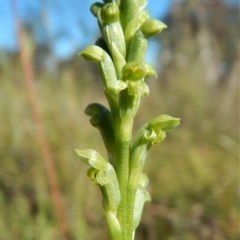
point(131, 192)
point(123, 72)
point(123, 128)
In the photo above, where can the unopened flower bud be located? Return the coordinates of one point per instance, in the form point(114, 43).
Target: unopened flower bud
point(95, 8)
point(93, 158)
point(92, 53)
point(164, 122)
point(152, 27)
point(109, 13)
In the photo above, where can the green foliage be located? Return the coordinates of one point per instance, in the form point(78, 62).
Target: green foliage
point(194, 181)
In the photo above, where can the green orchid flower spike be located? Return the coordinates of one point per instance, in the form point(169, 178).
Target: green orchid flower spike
point(120, 55)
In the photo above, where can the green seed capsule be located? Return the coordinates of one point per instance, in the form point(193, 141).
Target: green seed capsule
point(138, 48)
point(113, 35)
point(108, 73)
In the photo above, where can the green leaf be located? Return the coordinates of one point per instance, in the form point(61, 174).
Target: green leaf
point(141, 197)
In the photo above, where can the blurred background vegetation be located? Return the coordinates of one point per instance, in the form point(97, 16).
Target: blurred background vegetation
point(194, 174)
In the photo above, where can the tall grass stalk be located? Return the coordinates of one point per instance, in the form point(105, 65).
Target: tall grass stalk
point(120, 54)
point(40, 132)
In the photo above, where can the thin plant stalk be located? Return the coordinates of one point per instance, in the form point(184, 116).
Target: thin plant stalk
point(40, 132)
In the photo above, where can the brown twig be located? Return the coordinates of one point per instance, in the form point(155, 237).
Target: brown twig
point(47, 157)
